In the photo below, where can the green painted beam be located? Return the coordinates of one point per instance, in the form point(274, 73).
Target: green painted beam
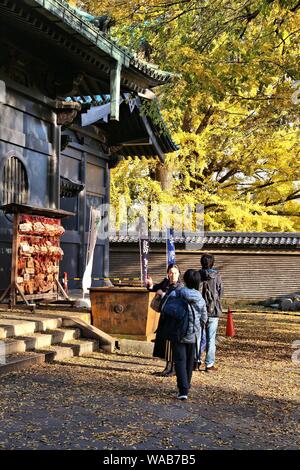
point(115, 88)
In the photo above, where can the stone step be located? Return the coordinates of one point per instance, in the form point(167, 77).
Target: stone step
point(106, 342)
point(42, 323)
point(63, 335)
point(15, 362)
point(38, 340)
point(19, 361)
point(3, 333)
point(17, 327)
point(62, 351)
point(68, 322)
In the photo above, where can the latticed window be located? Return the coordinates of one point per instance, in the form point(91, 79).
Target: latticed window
point(14, 182)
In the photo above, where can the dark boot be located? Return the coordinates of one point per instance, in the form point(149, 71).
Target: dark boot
point(196, 365)
point(169, 370)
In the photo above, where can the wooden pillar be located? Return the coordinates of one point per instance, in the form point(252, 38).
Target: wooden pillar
point(107, 200)
point(54, 173)
point(2, 92)
point(14, 264)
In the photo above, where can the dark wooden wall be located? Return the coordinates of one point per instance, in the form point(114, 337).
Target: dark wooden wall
point(256, 275)
point(29, 132)
point(84, 162)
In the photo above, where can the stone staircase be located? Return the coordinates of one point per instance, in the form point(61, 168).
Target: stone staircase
point(26, 340)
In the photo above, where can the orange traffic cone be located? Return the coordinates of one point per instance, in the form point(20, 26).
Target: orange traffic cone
point(230, 331)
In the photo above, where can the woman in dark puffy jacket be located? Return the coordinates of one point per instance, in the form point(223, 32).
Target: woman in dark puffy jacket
point(162, 348)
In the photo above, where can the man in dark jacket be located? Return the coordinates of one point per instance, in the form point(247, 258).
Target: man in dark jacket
point(212, 290)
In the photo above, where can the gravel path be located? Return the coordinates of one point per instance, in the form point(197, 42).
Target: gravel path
point(115, 402)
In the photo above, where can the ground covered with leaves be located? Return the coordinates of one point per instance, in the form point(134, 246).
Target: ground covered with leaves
point(116, 402)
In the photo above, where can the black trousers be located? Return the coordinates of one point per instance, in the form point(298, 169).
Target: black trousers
point(183, 356)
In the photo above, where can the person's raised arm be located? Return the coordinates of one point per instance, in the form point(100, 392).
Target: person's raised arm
point(149, 283)
point(156, 287)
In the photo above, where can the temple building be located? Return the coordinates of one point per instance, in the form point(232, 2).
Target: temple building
point(70, 101)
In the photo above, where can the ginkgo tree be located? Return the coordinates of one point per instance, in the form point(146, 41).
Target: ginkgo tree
point(229, 107)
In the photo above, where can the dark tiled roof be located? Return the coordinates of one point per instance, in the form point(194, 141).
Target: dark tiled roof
point(230, 239)
point(154, 137)
point(136, 133)
point(72, 18)
point(60, 31)
point(69, 188)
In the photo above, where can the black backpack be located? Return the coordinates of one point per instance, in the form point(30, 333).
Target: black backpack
point(175, 318)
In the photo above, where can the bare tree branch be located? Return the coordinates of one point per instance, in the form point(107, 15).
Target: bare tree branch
point(205, 121)
point(291, 197)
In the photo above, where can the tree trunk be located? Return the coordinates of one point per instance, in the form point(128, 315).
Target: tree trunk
point(206, 119)
point(187, 119)
point(163, 174)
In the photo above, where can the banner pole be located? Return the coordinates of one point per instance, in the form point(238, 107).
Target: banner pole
point(141, 260)
point(167, 251)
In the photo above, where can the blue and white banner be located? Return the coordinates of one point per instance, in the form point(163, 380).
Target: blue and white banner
point(144, 257)
point(171, 258)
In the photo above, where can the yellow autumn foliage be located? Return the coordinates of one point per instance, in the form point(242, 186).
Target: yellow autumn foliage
point(231, 111)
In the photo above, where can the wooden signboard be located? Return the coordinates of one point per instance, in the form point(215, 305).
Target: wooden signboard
point(36, 254)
